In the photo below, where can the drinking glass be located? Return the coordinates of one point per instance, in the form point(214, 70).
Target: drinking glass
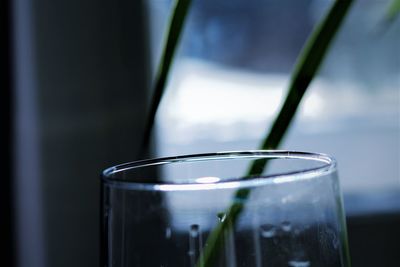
point(162, 212)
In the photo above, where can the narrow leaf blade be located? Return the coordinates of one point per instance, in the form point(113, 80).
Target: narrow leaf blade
point(307, 66)
point(174, 33)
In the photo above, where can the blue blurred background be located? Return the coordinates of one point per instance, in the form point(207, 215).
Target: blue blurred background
point(233, 71)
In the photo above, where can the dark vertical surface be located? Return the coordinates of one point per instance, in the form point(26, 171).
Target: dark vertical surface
point(6, 184)
point(80, 93)
point(91, 67)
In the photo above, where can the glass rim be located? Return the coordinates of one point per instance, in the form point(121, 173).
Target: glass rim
point(236, 182)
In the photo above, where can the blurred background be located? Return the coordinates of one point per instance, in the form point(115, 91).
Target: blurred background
point(77, 87)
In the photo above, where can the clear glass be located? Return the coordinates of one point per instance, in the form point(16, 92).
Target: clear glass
point(160, 212)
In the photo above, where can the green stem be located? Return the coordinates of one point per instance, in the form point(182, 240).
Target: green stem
point(305, 70)
point(174, 32)
point(393, 10)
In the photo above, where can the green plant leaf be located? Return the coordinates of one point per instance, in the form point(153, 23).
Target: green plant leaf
point(393, 10)
point(174, 32)
point(305, 70)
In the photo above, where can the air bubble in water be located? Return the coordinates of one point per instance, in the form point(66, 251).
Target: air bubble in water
point(221, 216)
point(191, 253)
point(295, 263)
point(267, 230)
point(335, 242)
point(286, 226)
point(195, 243)
point(194, 230)
point(168, 233)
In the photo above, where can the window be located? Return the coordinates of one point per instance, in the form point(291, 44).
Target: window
point(231, 77)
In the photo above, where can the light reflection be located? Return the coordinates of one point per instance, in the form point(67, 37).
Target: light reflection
point(197, 187)
point(208, 180)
